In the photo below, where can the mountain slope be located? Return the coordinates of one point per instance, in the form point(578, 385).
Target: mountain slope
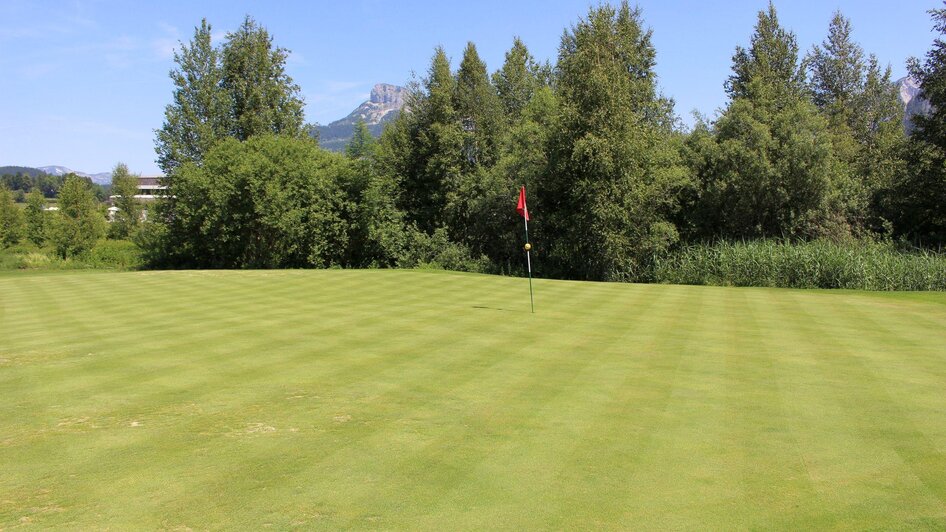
point(913, 101)
point(383, 106)
point(101, 178)
point(21, 170)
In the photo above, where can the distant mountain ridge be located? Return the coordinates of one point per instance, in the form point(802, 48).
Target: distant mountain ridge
point(101, 178)
point(21, 170)
point(382, 107)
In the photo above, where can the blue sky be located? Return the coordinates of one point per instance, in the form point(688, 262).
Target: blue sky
point(85, 82)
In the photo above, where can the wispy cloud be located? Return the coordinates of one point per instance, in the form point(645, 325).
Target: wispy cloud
point(90, 127)
point(165, 45)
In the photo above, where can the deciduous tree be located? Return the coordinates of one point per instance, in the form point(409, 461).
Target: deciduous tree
point(616, 171)
point(36, 217)
point(11, 219)
point(79, 222)
point(124, 188)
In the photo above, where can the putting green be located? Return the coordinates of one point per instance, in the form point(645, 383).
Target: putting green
point(427, 400)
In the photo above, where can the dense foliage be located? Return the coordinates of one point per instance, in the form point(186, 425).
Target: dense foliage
point(128, 216)
point(25, 180)
point(79, 222)
point(920, 199)
point(809, 150)
point(11, 219)
point(237, 90)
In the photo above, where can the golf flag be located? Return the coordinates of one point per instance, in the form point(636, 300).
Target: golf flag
point(521, 207)
point(524, 212)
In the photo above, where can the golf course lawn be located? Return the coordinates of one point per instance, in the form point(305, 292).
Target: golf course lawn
point(433, 400)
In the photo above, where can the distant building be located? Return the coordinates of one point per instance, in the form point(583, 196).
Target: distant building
point(149, 189)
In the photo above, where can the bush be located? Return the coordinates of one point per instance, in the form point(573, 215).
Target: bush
point(104, 255)
point(437, 251)
point(112, 254)
point(861, 265)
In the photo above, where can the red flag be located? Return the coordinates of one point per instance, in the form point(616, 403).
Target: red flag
point(521, 207)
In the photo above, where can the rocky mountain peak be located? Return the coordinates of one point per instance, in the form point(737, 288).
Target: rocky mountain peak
point(913, 101)
point(387, 94)
point(383, 106)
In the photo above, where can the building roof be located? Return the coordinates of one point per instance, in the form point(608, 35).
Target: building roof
point(151, 180)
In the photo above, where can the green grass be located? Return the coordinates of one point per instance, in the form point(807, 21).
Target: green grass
point(426, 400)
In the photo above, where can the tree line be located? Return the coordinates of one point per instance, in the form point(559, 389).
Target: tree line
point(808, 146)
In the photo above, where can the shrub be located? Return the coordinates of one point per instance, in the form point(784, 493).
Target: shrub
point(862, 265)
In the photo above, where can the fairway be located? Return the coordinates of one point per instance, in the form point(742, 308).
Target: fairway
point(432, 400)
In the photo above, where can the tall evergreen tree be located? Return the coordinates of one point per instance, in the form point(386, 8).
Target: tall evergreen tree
point(768, 168)
point(769, 69)
point(517, 80)
point(837, 70)
point(433, 147)
point(478, 110)
point(864, 114)
point(616, 171)
point(362, 142)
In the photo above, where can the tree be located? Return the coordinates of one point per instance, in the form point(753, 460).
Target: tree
point(124, 188)
point(524, 161)
point(919, 205)
point(478, 110)
point(200, 114)
point(362, 144)
point(11, 219)
point(837, 70)
point(766, 167)
point(238, 90)
point(478, 113)
point(769, 69)
point(864, 114)
point(267, 202)
point(429, 151)
point(264, 99)
point(79, 223)
point(615, 168)
point(762, 173)
point(517, 80)
point(36, 217)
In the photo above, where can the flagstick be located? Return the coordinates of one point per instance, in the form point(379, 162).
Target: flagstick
point(529, 263)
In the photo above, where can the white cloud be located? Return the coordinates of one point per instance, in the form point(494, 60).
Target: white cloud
point(164, 46)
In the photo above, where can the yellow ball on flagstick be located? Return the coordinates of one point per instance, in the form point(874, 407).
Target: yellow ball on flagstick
point(528, 246)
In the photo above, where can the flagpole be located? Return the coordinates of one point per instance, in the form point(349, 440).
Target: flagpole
point(529, 262)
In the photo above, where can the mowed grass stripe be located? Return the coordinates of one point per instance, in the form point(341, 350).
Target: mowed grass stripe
point(906, 444)
point(431, 448)
point(399, 399)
